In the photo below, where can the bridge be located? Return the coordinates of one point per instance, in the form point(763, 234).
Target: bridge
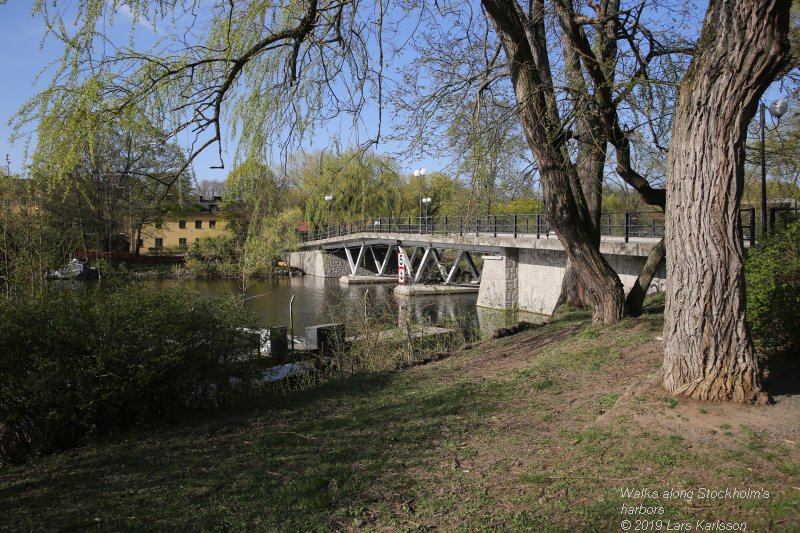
point(513, 261)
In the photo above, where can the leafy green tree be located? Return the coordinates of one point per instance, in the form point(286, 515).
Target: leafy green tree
point(362, 185)
point(252, 192)
point(773, 300)
point(31, 241)
point(108, 187)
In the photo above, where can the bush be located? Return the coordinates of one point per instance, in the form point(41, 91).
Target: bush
point(76, 363)
point(213, 256)
point(773, 298)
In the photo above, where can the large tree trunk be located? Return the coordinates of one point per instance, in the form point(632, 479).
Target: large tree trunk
point(590, 171)
point(708, 352)
point(524, 40)
point(589, 166)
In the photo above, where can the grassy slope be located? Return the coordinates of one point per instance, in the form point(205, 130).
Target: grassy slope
point(534, 432)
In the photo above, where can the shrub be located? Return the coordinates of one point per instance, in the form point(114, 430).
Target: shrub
point(773, 298)
point(213, 256)
point(76, 363)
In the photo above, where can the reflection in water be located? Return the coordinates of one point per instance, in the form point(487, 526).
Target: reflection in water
point(320, 301)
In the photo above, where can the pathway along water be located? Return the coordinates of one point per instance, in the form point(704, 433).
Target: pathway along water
point(321, 301)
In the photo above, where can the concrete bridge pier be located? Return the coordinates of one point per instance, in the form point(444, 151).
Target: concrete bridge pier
point(529, 279)
point(499, 287)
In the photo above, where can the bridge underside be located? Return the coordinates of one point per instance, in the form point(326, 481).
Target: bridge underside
point(526, 276)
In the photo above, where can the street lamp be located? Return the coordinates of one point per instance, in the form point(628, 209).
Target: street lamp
point(427, 202)
point(777, 109)
point(420, 173)
point(329, 199)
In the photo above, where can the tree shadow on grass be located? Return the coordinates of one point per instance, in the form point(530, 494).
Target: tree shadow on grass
point(303, 461)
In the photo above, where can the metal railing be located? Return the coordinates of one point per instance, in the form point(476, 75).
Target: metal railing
point(628, 225)
point(625, 225)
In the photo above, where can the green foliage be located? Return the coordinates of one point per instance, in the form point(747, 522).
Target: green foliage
point(30, 241)
point(268, 238)
point(523, 205)
point(212, 256)
point(773, 296)
point(119, 177)
point(362, 185)
point(76, 362)
point(252, 193)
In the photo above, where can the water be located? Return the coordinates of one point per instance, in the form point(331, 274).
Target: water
point(321, 301)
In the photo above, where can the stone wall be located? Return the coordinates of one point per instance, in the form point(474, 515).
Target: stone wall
point(309, 261)
point(331, 264)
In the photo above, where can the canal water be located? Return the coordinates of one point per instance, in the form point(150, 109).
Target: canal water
point(322, 301)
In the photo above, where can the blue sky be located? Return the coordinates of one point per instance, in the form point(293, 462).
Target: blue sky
point(23, 57)
point(20, 61)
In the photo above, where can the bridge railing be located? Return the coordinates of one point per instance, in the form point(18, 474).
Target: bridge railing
point(632, 224)
point(623, 225)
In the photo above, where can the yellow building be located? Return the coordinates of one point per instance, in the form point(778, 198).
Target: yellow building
point(175, 235)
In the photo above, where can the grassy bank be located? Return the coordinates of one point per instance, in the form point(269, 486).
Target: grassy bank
point(539, 431)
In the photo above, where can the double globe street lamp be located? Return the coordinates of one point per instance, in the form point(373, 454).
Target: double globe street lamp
point(427, 201)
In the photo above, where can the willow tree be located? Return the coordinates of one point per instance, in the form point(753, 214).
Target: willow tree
point(708, 351)
point(598, 67)
point(268, 74)
point(589, 36)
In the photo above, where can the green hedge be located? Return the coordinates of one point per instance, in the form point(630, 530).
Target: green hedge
point(77, 362)
point(773, 298)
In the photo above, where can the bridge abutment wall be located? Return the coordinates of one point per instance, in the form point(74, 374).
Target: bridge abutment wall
point(530, 279)
point(328, 265)
point(321, 264)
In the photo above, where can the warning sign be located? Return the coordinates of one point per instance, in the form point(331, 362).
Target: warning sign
point(401, 265)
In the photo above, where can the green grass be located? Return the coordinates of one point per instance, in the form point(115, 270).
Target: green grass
point(544, 443)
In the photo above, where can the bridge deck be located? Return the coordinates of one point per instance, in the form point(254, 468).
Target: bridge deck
point(490, 243)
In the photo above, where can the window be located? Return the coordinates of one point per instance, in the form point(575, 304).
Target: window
point(197, 240)
point(182, 224)
point(182, 242)
point(159, 242)
point(198, 224)
point(212, 224)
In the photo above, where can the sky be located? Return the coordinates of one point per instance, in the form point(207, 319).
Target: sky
point(22, 58)
point(20, 61)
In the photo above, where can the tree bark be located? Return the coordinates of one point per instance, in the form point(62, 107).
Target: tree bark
point(708, 352)
point(524, 41)
point(635, 298)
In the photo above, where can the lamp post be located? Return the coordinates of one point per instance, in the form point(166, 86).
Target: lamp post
point(777, 109)
point(420, 173)
point(329, 199)
point(427, 202)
